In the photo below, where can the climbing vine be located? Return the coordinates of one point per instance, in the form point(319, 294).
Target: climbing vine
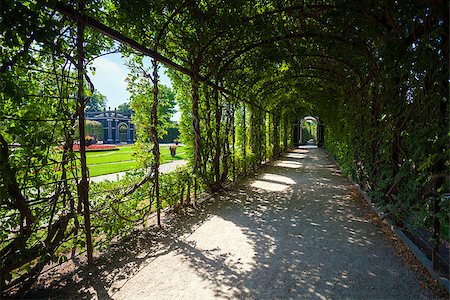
point(244, 72)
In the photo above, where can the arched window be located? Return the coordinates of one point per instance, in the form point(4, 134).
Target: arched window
point(123, 128)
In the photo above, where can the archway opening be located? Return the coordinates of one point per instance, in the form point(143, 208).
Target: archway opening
point(308, 131)
point(123, 129)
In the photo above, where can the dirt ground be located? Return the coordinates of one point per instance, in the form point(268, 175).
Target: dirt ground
point(298, 229)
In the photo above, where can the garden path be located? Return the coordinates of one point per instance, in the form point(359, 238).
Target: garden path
point(298, 229)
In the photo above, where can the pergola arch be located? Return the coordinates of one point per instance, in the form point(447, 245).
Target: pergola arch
point(247, 72)
point(297, 129)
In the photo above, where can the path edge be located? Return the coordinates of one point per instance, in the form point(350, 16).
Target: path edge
point(444, 282)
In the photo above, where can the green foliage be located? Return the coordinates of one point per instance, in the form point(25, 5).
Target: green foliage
point(172, 134)
point(391, 135)
point(37, 80)
point(94, 129)
point(376, 75)
point(124, 108)
point(309, 131)
point(141, 101)
point(97, 102)
point(124, 213)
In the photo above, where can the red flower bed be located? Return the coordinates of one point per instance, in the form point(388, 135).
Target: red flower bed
point(95, 147)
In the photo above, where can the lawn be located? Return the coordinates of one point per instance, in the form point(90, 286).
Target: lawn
point(107, 162)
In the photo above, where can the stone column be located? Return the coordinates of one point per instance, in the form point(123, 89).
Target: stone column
point(117, 131)
point(109, 140)
point(129, 132)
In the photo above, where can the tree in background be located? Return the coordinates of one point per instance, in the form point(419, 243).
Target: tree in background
point(97, 102)
point(141, 88)
point(172, 135)
point(124, 108)
point(93, 129)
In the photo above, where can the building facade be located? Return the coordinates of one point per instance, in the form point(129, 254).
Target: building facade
point(117, 126)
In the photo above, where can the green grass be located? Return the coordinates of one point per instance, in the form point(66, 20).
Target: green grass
point(108, 162)
point(109, 168)
point(125, 153)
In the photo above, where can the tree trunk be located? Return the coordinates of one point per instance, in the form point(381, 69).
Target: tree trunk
point(195, 124)
point(244, 150)
point(207, 152)
point(275, 136)
point(233, 141)
point(216, 160)
point(195, 117)
point(154, 137)
point(226, 146)
point(83, 185)
point(285, 137)
point(252, 137)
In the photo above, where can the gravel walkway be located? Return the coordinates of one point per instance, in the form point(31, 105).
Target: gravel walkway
point(296, 230)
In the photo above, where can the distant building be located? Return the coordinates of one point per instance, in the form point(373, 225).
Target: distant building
point(117, 126)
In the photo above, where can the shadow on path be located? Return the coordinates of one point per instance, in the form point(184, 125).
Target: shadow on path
point(296, 230)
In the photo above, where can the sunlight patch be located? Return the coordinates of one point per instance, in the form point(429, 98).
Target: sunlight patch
point(138, 286)
point(296, 155)
point(269, 186)
point(277, 178)
point(219, 239)
point(287, 164)
point(299, 150)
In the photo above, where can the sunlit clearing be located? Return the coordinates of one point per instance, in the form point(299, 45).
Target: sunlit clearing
point(217, 242)
point(269, 186)
point(176, 266)
point(296, 155)
point(278, 178)
point(287, 164)
point(219, 238)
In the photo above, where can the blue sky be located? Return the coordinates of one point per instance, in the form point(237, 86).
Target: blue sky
point(109, 79)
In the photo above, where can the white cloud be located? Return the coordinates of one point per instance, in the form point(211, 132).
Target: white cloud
point(109, 79)
point(107, 68)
